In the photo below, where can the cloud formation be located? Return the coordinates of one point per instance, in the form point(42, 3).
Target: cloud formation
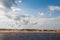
point(25, 21)
point(5, 6)
point(20, 1)
point(39, 23)
point(7, 3)
point(52, 8)
point(41, 14)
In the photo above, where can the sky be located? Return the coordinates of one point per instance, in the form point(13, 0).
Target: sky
point(43, 6)
point(30, 14)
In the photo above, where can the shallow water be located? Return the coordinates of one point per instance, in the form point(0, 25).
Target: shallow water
point(30, 36)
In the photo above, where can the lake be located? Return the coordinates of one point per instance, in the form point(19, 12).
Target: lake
point(30, 36)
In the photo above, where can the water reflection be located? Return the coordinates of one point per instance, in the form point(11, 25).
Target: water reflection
point(30, 36)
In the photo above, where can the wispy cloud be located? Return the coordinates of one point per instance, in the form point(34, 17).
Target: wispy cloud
point(7, 3)
point(12, 21)
point(42, 14)
point(40, 23)
point(20, 1)
point(52, 8)
point(5, 6)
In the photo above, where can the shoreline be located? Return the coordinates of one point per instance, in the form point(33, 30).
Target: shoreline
point(27, 31)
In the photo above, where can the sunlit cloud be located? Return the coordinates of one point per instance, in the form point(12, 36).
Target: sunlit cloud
point(52, 8)
point(13, 19)
point(1, 6)
point(20, 1)
point(40, 23)
point(7, 3)
point(41, 14)
point(5, 8)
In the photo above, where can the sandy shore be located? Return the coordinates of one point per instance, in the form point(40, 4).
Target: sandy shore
point(27, 31)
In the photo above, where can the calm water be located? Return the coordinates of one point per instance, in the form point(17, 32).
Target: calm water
point(30, 36)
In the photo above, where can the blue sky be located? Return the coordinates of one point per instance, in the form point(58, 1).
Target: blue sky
point(30, 14)
point(35, 6)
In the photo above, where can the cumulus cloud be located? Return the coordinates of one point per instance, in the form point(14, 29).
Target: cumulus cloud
point(5, 6)
point(10, 19)
point(50, 23)
point(52, 8)
point(13, 13)
point(41, 14)
point(25, 21)
point(15, 9)
point(7, 3)
point(20, 1)
point(1, 6)
point(39, 23)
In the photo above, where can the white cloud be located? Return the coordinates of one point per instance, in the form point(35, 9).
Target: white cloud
point(52, 8)
point(2, 12)
point(13, 21)
point(7, 3)
point(13, 13)
point(27, 21)
point(48, 23)
point(41, 14)
point(41, 23)
point(5, 21)
point(14, 9)
point(1, 6)
point(20, 1)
